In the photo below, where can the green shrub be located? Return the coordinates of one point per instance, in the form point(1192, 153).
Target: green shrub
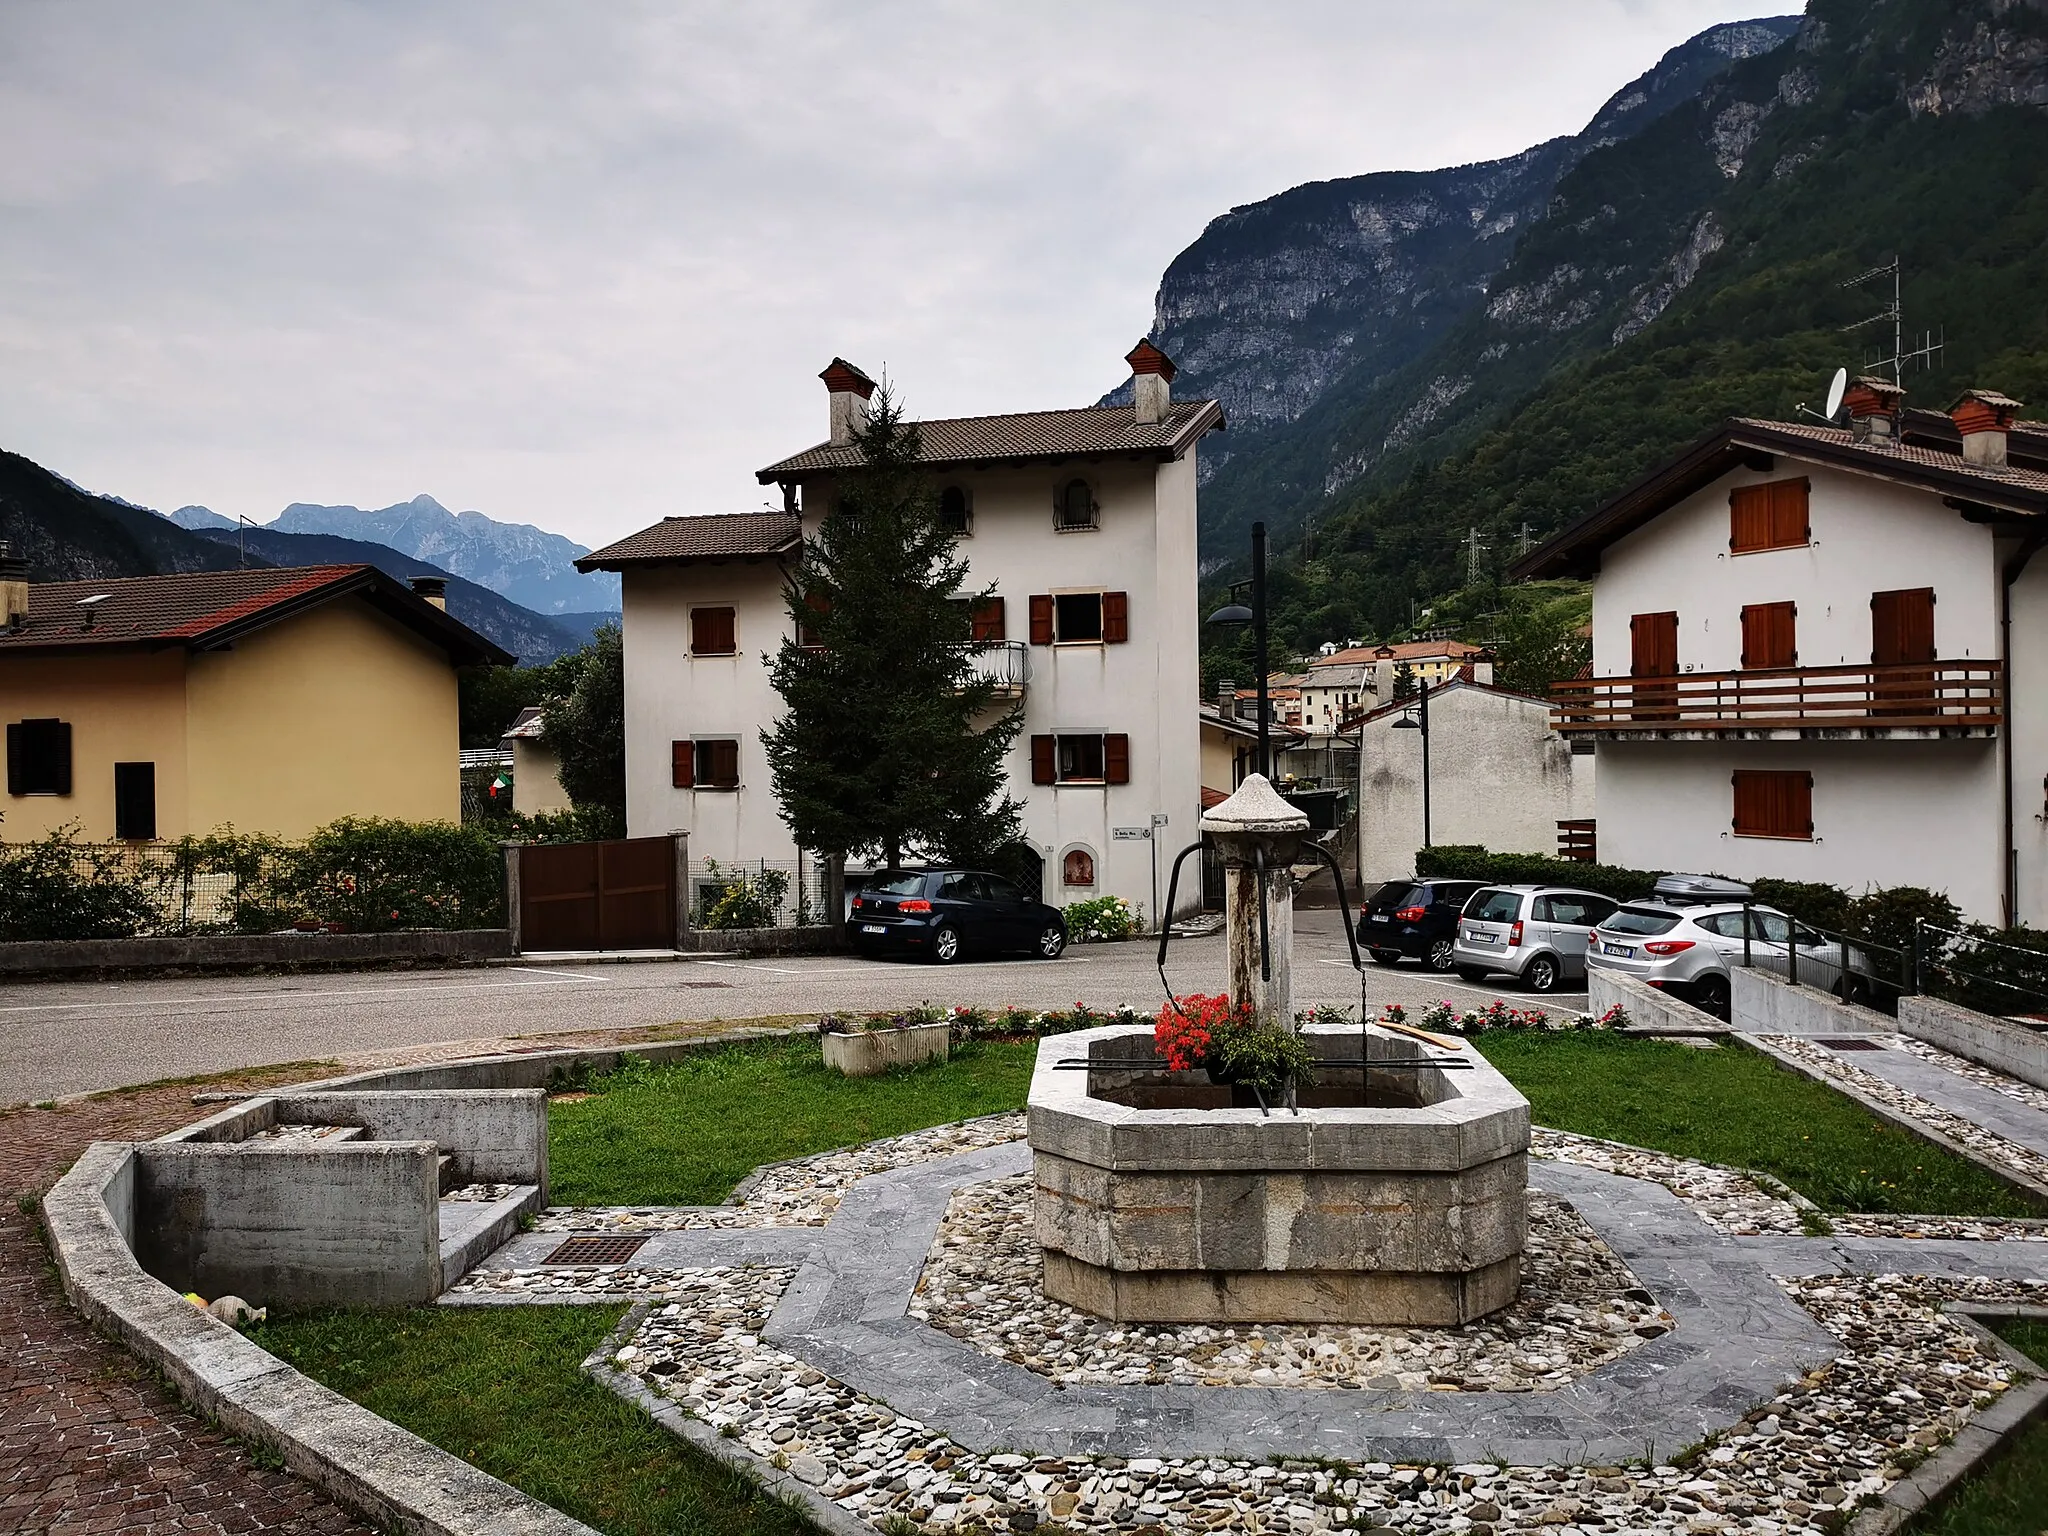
point(1100, 920)
point(371, 875)
point(59, 888)
point(583, 824)
point(742, 900)
point(1470, 861)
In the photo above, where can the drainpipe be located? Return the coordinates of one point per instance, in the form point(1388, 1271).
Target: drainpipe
point(2009, 574)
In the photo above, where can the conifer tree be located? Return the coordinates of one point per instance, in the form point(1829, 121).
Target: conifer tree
point(890, 743)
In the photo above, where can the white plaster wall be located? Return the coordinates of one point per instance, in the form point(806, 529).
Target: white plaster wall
point(1885, 813)
point(1867, 537)
point(2027, 716)
point(1498, 776)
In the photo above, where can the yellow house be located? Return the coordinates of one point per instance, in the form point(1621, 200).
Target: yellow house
point(274, 700)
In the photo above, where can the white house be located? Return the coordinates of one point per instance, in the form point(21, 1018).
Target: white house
point(1084, 520)
point(1812, 652)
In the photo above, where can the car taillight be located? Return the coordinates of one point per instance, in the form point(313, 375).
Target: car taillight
point(915, 904)
point(1515, 936)
point(1412, 914)
point(1667, 946)
point(856, 903)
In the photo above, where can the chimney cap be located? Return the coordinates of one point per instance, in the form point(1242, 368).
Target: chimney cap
point(12, 564)
point(841, 377)
point(1869, 395)
point(429, 586)
point(1146, 358)
point(1989, 398)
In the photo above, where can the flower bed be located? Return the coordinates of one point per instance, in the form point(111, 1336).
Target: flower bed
point(1446, 1018)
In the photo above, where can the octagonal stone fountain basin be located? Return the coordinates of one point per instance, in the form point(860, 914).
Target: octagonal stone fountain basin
point(1158, 1200)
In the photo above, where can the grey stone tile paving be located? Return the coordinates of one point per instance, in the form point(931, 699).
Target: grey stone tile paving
point(1983, 1106)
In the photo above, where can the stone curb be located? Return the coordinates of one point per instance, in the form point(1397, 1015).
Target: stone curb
point(671, 1417)
point(26, 960)
point(387, 1475)
point(1977, 1443)
point(1898, 1120)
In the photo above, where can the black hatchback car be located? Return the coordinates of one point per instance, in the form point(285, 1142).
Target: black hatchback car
point(1414, 919)
point(942, 914)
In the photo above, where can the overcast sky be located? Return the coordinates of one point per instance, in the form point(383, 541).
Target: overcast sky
point(578, 264)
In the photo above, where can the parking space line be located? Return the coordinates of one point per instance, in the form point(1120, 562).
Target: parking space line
point(274, 997)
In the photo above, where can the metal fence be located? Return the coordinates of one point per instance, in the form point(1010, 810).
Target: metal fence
point(1970, 968)
point(761, 893)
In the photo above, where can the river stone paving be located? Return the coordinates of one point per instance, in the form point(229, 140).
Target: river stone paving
point(1579, 1308)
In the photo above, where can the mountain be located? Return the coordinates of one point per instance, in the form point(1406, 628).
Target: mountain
point(1696, 269)
point(200, 517)
point(532, 637)
point(1319, 295)
point(529, 565)
point(69, 534)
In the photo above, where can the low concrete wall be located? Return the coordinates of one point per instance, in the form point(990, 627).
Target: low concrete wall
point(818, 939)
point(1763, 1004)
point(869, 1053)
point(386, 1475)
point(1991, 1042)
point(496, 1136)
point(1650, 1011)
point(354, 1224)
point(253, 951)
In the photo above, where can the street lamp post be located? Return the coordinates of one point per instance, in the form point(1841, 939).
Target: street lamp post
point(1237, 614)
point(1419, 721)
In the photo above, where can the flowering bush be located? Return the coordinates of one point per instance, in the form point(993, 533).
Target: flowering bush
point(1207, 1033)
point(1100, 920)
point(1445, 1018)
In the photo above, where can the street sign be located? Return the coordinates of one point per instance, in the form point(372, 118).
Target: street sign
point(1132, 834)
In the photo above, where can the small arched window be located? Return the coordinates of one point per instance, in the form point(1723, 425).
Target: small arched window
point(1078, 868)
point(953, 508)
point(1076, 505)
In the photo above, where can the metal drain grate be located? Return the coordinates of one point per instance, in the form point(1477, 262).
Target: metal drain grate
point(1849, 1045)
point(596, 1250)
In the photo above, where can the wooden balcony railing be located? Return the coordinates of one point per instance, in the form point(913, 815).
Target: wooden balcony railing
point(1918, 696)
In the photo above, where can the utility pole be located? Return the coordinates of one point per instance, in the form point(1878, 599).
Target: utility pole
point(1475, 549)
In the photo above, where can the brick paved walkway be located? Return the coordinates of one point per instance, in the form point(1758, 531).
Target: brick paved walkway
point(89, 1440)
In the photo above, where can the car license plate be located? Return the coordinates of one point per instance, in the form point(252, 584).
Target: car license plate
point(872, 928)
point(1474, 936)
point(1623, 950)
point(1381, 917)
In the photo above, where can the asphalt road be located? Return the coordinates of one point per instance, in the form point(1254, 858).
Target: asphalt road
point(59, 1038)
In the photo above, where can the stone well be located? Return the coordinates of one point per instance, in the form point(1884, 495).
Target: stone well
point(1159, 1200)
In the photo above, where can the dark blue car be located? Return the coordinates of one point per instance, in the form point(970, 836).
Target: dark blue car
point(942, 914)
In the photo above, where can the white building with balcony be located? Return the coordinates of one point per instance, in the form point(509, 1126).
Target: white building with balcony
point(1083, 520)
point(1813, 652)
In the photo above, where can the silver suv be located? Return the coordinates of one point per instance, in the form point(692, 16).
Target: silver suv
point(1689, 950)
point(1536, 933)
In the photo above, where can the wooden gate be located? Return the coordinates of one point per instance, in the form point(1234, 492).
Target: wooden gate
point(612, 895)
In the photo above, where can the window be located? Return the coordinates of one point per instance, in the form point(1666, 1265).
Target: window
point(708, 764)
point(964, 887)
point(711, 632)
point(956, 510)
point(39, 757)
point(1077, 616)
point(1768, 635)
point(1081, 618)
point(135, 801)
point(1573, 911)
point(1768, 516)
point(1075, 507)
point(1773, 804)
point(807, 636)
point(1641, 920)
point(1495, 906)
point(1081, 759)
point(1078, 868)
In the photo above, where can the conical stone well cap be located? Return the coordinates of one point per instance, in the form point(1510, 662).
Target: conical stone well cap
point(1256, 807)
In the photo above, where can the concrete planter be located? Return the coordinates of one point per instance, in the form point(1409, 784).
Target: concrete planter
point(872, 1052)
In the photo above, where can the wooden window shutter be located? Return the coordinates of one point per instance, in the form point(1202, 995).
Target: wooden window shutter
point(1773, 803)
point(17, 758)
point(39, 757)
point(711, 631)
point(1116, 759)
point(1768, 516)
point(1044, 760)
point(1902, 626)
point(807, 635)
point(1116, 618)
point(722, 764)
point(1789, 523)
point(1041, 620)
point(990, 624)
point(1769, 635)
point(1653, 645)
point(682, 764)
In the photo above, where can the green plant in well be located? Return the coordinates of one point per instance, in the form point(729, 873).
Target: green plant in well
point(1736, 1107)
point(502, 1388)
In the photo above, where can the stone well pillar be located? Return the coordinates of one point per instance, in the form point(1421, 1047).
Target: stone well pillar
point(1256, 830)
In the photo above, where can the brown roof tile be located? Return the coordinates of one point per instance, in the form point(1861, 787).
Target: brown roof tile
point(201, 609)
point(1090, 431)
point(714, 536)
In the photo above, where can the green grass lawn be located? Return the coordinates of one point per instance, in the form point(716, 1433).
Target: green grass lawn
point(501, 1388)
point(685, 1132)
point(1737, 1107)
point(2009, 1497)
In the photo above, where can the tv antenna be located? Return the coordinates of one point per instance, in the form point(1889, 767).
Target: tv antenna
point(1930, 342)
point(1837, 387)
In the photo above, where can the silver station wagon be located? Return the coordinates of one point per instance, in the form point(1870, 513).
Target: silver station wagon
point(1535, 933)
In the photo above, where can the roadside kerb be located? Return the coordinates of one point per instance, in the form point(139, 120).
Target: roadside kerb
point(21, 959)
point(387, 1475)
point(1990, 1042)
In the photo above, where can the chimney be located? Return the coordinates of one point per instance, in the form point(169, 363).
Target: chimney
point(1383, 673)
point(1874, 409)
point(849, 389)
point(432, 588)
point(1984, 416)
point(1226, 698)
point(1152, 374)
point(13, 588)
point(1481, 663)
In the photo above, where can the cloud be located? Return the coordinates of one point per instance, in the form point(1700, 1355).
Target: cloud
point(579, 265)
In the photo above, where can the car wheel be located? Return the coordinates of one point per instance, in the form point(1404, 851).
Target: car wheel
point(1440, 952)
point(1386, 957)
point(1052, 941)
point(1471, 973)
point(1712, 995)
point(946, 945)
point(1542, 974)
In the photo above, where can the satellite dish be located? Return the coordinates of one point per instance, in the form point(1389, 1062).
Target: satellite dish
point(1835, 392)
